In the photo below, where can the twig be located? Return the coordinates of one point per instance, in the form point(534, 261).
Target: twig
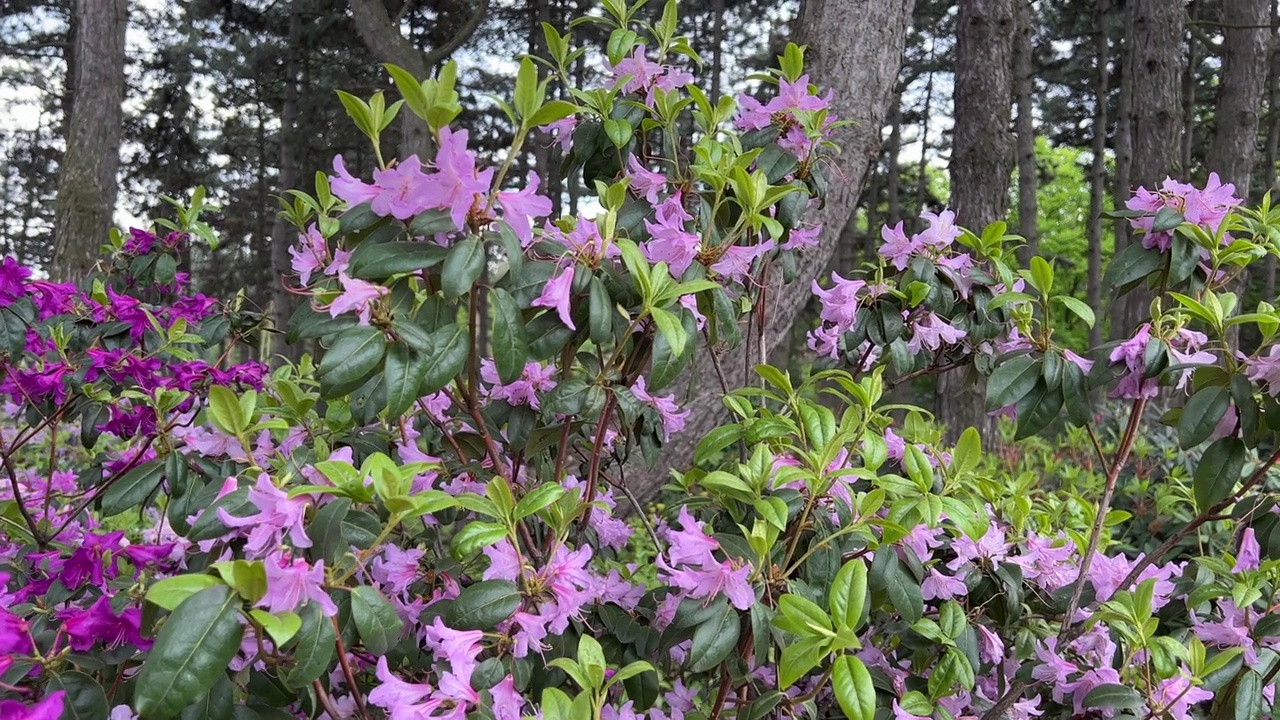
point(346, 669)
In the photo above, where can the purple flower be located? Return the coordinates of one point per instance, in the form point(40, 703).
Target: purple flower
point(397, 569)
point(520, 207)
point(1266, 369)
point(401, 700)
point(645, 182)
point(932, 332)
point(507, 701)
point(635, 72)
point(1174, 697)
point(1250, 553)
point(457, 172)
point(535, 378)
point(12, 279)
point(291, 583)
point(669, 242)
point(310, 255)
point(802, 237)
point(736, 262)
point(459, 648)
point(278, 514)
point(563, 131)
point(672, 418)
point(556, 296)
point(937, 586)
point(14, 635)
point(98, 623)
point(840, 303)
point(50, 708)
point(358, 296)
point(404, 190)
point(348, 188)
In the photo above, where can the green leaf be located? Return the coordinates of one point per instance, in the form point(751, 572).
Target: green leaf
point(1113, 696)
point(314, 651)
point(403, 373)
point(552, 111)
point(209, 526)
point(1042, 274)
point(618, 131)
point(462, 267)
point(1038, 409)
point(379, 261)
point(281, 626)
point(483, 606)
point(448, 356)
point(1075, 398)
point(968, 452)
point(672, 329)
point(352, 356)
point(1218, 472)
point(904, 593)
point(849, 594)
point(510, 348)
point(134, 488)
point(801, 617)
point(376, 620)
point(1011, 381)
point(714, 640)
point(799, 658)
point(538, 499)
point(1249, 702)
point(1130, 265)
point(191, 652)
point(477, 535)
point(215, 704)
point(1201, 415)
point(85, 699)
point(1166, 219)
point(1081, 310)
point(224, 410)
point(171, 592)
point(853, 688)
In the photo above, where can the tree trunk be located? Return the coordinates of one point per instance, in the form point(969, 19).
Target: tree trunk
point(1124, 163)
point(717, 49)
point(1155, 28)
point(855, 49)
point(1024, 79)
point(88, 185)
point(1193, 9)
point(1244, 68)
point(922, 183)
point(893, 170)
point(381, 34)
point(981, 163)
point(283, 235)
point(1098, 171)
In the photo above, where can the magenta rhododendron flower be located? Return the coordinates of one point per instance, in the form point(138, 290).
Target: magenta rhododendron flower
point(350, 189)
point(669, 242)
point(556, 296)
point(99, 623)
point(840, 303)
point(932, 332)
point(15, 636)
point(12, 277)
point(1174, 697)
point(49, 708)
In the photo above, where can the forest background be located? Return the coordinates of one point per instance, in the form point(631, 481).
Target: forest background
point(1063, 107)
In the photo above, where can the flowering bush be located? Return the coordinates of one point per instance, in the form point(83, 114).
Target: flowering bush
point(434, 521)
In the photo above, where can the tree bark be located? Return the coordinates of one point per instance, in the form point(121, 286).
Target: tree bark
point(88, 185)
point(855, 49)
point(1098, 171)
point(1233, 148)
point(1024, 82)
point(981, 162)
point(381, 34)
point(1155, 28)
point(1124, 162)
point(1273, 139)
point(283, 235)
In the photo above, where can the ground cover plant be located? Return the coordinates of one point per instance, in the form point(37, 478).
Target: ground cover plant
point(434, 520)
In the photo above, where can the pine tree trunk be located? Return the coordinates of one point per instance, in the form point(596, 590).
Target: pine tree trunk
point(1123, 185)
point(283, 235)
point(893, 169)
point(1189, 90)
point(87, 182)
point(855, 49)
point(1155, 28)
point(1098, 171)
point(922, 183)
point(1273, 140)
point(981, 163)
point(1024, 82)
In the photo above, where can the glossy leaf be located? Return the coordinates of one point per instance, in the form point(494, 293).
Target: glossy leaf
point(191, 651)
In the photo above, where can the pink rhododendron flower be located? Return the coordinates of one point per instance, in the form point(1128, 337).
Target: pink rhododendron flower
point(14, 634)
point(1206, 208)
point(520, 207)
point(292, 582)
point(348, 188)
point(357, 296)
point(673, 418)
point(534, 379)
point(1266, 369)
point(840, 303)
point(278, 515)
point(1249, 557)
point(457, 175)
point(404, 190)
point(645, 182)
point(736, 262)
point(556, 296)
point(932, 332)
point(1174, 697)
point(311, 254)
point(563, 131)
point(507, 701)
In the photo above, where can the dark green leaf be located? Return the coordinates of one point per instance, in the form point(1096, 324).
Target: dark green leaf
point(85, 698)
point(1038, 409)
point(714, 640)
point(313, 652)
point(1075, 397)
point(1201, 415)
point(380, 261)
point(601, 312)
point(431, 222)
point(191, 652)
point(1249, 703)
point(449, 348)
point(462, 267)
point(1218, 472)
point(209, 526)
point(775, 162)
point(349, 360)
point(483, 606)
point(376, 620)
point(1012, 380)
point(215, 705)
point(132, 489)
point(510, 349)
point(1113, 696)
point(1130, 265)
point(1166, 219)
point(403, 373)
